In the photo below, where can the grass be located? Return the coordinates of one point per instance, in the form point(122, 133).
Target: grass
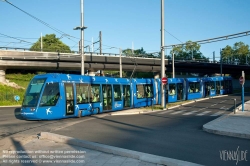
point(7, 93)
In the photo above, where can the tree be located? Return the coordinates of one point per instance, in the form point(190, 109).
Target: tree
point(138, 52)
point(227, 54)
point(50, 44)
point(188, 51)
point(239, 52)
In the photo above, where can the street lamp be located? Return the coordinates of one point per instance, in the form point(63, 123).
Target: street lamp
point(82, 39)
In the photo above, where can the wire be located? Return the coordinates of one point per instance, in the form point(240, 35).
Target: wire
point(217, 39)
point(14, 38)
point(39, 20)
point(173, 36)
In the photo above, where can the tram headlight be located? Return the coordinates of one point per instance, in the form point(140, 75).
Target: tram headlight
point(32, 109)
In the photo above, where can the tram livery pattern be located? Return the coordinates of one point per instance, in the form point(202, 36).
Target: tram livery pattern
point(57, 96)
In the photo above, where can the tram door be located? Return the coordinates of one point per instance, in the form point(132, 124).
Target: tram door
point(126, 96)
point(180, 91)
point(69, 96)
point(218, 87)
point(107, 97)
point(207, 89)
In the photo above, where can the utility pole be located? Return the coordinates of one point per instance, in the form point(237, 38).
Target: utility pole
point(82, 39)
point(162, 55)
point(41, 42)
point(214, 57)
point(220, 63)
point(173, 69)
point(100, 36)
point(120, 63)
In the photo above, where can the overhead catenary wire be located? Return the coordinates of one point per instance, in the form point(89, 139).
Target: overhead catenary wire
point(212, 40)
point(41, 21)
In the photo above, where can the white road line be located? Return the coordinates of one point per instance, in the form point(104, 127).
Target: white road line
point(189, 113)
point(177, 112)
point(217, 113)
point(202, 108)
point(222, 108)
point(203, 113)
point(223, 101)
point(166, 112)
point(213, 105)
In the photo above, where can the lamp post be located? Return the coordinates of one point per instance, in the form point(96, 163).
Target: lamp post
point(82, 39)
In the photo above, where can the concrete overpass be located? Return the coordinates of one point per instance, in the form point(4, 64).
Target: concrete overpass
point(22, 59)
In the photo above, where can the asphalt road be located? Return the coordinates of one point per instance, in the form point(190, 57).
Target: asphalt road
point(15, 131)
point(175, 134)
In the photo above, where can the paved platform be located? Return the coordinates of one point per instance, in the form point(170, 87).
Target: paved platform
point(62, 150)
point(235, 125)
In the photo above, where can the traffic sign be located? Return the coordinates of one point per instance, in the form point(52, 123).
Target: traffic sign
point(164, 80)
point(242, 80)
point(16, 97)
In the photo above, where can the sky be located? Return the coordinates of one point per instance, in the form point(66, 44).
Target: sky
point(126, 23)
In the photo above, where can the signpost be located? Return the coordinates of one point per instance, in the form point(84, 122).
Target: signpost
point(17, 98)
point(242, 81)
point(164, 81)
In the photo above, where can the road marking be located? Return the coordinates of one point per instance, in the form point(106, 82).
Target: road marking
point(213, 105)
point(177, 112)
point(203, 113)
point(223, 101)
point(202, 108)
point(166, 112)
point(189, 113)
point(217, 113)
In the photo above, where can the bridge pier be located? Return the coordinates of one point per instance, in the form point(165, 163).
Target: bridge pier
point(2, 75)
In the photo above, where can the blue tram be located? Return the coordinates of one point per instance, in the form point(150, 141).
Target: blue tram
point(57, 96)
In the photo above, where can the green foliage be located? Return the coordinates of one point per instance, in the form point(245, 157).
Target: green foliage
point(138, 53)
point(20, 79)
point(50, 44)
point(239, 51)
point(188, 51)
point(7, 94)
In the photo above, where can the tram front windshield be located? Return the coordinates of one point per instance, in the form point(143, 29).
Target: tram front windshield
point(33, 92)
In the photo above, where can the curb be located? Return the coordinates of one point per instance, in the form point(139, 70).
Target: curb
point(206, 127)
point(116, 151)
point(226, 133)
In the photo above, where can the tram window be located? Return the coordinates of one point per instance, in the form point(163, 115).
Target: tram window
point(82, 94)
point(95, 92)
point(33, 92)
point(117, 92)
point(148, 90)
point(171, 89)
point(140, 91)
point(194, 87)
point(50, 95)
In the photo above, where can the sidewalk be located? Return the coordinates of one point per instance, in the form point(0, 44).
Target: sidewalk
point(66, 151)
point(62, 150)
point(235, 125)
